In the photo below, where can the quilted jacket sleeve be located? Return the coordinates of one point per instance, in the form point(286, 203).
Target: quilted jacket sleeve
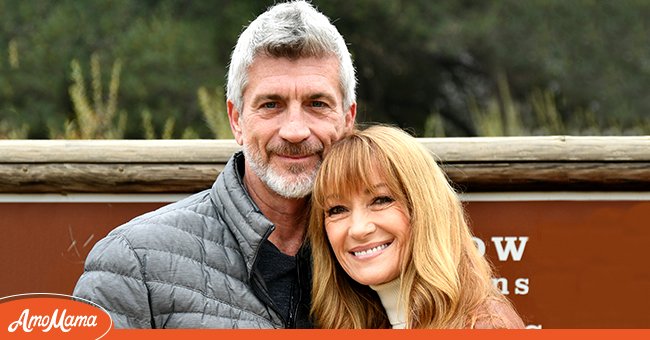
point(113, 279)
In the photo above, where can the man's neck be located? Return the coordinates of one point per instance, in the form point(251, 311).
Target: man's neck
point(289, 215)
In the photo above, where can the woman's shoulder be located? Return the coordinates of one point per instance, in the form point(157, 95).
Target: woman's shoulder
point(496, 313)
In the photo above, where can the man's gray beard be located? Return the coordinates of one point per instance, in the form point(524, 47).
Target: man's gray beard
point(298, 185)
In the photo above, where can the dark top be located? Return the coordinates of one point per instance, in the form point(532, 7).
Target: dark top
point(283, 282)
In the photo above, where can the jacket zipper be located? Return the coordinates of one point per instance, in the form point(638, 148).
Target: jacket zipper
point(258, 287)
point(263, 294)
point(293, 307)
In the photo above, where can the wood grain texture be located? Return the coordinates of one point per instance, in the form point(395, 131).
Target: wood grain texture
point(473, 164)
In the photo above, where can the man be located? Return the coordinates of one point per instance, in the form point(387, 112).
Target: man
point(233, 256)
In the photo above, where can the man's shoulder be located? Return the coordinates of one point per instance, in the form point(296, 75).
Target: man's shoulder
point(190, 215)
point(196, 204)
point(184, 228)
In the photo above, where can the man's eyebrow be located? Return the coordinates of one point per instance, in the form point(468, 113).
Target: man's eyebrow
point(321, 95)
point(276, 97)
point(265, 97)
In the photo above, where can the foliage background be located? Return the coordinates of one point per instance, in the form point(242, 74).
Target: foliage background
point(156, 68)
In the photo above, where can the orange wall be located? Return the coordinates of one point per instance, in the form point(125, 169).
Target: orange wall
point(37, 248)
point(584, 264)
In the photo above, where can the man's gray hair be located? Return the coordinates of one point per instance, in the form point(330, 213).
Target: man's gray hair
point(289, 30)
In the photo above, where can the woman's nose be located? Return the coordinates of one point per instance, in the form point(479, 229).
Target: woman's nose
point(361, 226)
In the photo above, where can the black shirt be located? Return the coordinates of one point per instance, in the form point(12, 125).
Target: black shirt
point(287, 279)
point(280, 275)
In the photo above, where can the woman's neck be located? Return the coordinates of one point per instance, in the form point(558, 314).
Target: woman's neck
point(389, 293)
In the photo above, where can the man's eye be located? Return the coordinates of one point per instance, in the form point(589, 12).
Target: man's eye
point(335, 210)
point(317, 103)
point(270, 105)
point(383, 200)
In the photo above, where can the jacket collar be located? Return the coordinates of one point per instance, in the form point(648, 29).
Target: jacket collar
point(242, 216)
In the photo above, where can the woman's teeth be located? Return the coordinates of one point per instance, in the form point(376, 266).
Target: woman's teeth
point(372, 250)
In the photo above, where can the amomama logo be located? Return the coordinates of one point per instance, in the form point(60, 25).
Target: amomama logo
point(49, 315)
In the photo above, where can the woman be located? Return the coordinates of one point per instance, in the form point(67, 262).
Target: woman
point(391, 247)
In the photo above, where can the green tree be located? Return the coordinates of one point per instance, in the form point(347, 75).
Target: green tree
point(573, 66)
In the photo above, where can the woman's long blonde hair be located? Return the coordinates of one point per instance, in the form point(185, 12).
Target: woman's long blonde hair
point(444, 279)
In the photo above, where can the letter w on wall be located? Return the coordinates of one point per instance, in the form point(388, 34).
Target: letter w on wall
point(511, 248)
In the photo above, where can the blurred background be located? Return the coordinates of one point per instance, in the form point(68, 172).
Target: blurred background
point(156, 68)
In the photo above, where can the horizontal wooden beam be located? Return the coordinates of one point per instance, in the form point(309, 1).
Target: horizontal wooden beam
point(107, 178)
point(550, 176)
point(540, 149)
point(117, 151)
point(474, 149)
point(184, 166)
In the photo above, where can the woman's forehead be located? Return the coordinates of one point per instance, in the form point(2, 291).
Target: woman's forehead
point(359, 182)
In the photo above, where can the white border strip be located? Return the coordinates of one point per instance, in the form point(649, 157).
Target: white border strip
point(90, 198)
point(556, 196)
point(468, 197)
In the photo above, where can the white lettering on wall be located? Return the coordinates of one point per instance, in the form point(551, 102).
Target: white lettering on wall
point(502, 284)
point(521, 286)
point(510, 249)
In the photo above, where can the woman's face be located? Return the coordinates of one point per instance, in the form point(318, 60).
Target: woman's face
point(368, 233)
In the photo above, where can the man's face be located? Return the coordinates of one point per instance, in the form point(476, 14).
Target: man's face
point(292, 113)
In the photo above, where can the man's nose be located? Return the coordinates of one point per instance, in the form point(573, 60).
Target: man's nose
point(296, 128)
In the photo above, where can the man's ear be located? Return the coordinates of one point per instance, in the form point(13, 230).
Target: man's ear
point(233, 117)
point(350, 117)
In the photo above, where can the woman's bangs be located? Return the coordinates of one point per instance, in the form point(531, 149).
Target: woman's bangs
point(340, 176)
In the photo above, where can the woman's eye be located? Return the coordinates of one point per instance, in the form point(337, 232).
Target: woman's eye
point(383, 200)
point(335, 210)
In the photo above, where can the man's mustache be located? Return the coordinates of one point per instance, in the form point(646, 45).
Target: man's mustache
point(296, 149)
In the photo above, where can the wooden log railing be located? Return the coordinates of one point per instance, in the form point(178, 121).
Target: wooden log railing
point(183, 166)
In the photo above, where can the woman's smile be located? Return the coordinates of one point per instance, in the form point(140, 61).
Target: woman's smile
point(368, 231)
point(365, 252)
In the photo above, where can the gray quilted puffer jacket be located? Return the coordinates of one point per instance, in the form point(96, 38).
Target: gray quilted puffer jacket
point(191, 264)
